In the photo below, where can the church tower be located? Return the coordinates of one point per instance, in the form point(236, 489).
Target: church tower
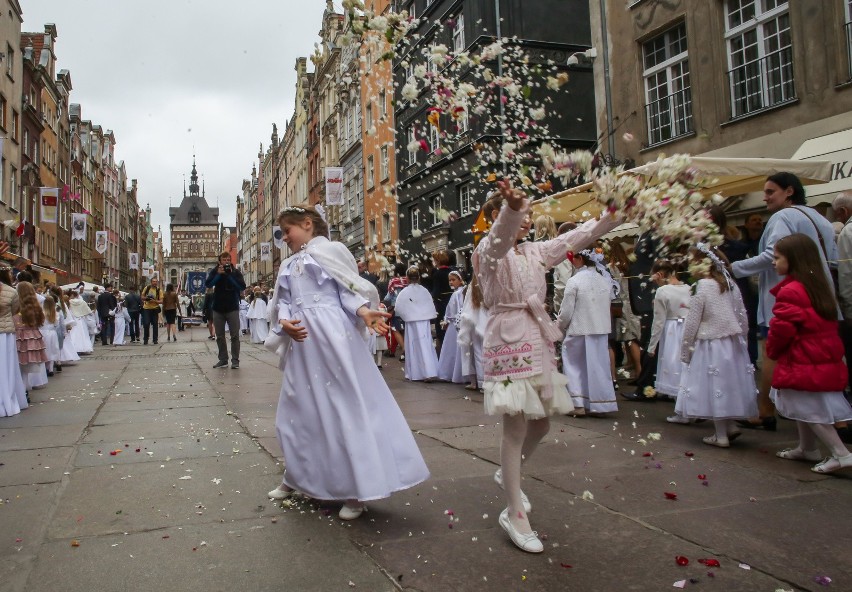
point(195, 234)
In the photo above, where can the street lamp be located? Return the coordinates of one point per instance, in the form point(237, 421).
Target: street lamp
point(589, 55)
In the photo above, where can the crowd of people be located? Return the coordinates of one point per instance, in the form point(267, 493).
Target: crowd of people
point(734, 335)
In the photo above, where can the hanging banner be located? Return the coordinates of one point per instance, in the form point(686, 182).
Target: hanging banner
point(78, 226)
point(195, 282)
point(101, 241)
point(49, 204)
point(266, 251)
point(133, 260)
point(334, 186)
point(146, 269)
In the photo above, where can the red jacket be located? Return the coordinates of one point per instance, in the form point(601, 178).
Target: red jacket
point(806, 346)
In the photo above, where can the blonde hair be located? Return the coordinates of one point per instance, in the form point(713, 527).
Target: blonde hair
point(49, 307)
point(545, 227)
point(31, 313)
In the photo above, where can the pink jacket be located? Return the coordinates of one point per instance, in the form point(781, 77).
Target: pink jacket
point(519, 330)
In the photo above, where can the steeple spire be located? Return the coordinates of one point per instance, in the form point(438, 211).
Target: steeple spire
point(193, 179)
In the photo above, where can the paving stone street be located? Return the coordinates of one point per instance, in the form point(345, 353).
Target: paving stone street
point(143, 468)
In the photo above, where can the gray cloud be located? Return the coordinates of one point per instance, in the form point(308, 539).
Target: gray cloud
point(167, 75)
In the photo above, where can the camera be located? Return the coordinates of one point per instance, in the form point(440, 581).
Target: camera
point(227, 267)
point(149, 297)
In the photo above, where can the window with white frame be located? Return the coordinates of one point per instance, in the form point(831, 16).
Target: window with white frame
point(383, 105)
point(668, 95)
point(371, 233)
point(369, 116)
point(412, 137)
point(383, 164)
point(760, 55)
point(371, 172)
point(465, 205)
point(414, 218)
point(435, 210)
point(434, 138)
point(386, 228)
point(462, 123)
point(458, 34)
point(10, 61)
point(848, 26)
point(14, 191)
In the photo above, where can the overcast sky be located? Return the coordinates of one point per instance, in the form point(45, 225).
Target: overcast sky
point(170, 75)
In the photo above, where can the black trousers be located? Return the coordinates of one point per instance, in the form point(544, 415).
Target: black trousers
point(107, 330)
point(134, 326)
point(150, 318)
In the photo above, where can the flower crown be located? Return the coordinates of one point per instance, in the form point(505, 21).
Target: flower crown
point(596, 256)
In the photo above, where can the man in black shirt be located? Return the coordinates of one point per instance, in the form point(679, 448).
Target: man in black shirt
point(106, 304)
point(133, 304)
point(227, 283)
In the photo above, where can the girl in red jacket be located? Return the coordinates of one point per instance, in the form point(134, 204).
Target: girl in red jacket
point(810, 374)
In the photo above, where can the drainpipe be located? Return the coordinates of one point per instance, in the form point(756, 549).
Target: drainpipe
point(610, 132)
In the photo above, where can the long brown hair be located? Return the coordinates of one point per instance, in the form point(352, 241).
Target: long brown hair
point(31, 313)
point(618, 256)
point(805, 266)
point(58, 296)
point(714, 273)
point(49, 307)
point(475, 292)
point(300, 213)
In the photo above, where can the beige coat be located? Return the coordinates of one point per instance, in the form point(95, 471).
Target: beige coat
point(8, 308)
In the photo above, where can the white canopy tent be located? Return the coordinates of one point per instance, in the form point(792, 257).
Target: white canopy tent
point(734, 176)
point(88, 287)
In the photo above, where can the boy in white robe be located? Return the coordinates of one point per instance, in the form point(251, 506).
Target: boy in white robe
point(414, 305)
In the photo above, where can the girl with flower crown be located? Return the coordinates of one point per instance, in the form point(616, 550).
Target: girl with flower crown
point(718, 382)
point(585, 317)
point(521, 381)
point(342, 433)
point(450, 360)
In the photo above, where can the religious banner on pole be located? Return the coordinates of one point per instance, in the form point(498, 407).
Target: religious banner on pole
point(146, 269)
point(78, 226)
point(49, 204)
point(266, 251)
point(334, 186)
point(134, 260)
point(101, 241)
point(195, 282)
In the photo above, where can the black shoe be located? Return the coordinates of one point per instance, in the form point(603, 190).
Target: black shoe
point(220, 364)
point(50, 373)
point(155, 343)
point(145, 343)
point(211, 337)
point(770, 424)
point(235, 366)
point(638, 397)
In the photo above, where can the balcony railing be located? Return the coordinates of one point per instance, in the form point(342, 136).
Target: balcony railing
point(763, 83)
point(670, 117)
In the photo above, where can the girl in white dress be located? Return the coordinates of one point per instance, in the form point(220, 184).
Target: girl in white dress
point(13, 393)
point(341, 431)
point(671, 303)
point(244, 307)
point(32, 355)
point(472, 321)
point(84, 318)
point(378, 343)
point(67, 354)
point(718, 382)
point(257, 317)
point(121, 318)
point(585, 317)
point(450, 360)
point(53, 324)
point(414, 305)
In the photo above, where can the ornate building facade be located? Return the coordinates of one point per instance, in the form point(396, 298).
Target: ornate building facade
point(195, 233)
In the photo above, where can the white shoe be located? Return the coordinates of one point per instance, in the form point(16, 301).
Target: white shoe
point(498, 479)
point(280, 494)
point(525, 542)
point(678, 419)
point(347, 512)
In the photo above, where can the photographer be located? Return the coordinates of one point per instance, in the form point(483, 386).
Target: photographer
point(152, 298)
point(227, 283)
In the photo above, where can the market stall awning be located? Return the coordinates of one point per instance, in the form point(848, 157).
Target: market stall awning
point(837, 150)
point(734, 176)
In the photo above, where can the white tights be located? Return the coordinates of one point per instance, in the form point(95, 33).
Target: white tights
point(521, 436)
point(809, 432)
